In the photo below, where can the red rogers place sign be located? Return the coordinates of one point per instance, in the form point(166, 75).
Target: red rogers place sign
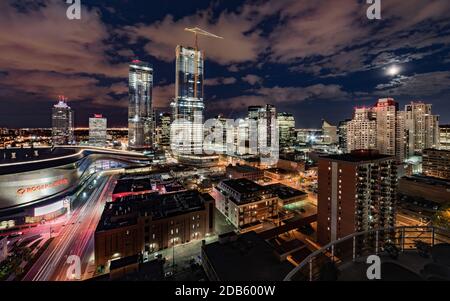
point(22, 191)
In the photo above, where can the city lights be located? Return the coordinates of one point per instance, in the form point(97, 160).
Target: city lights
point(195, 144)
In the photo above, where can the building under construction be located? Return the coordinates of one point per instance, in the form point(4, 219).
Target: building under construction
point(188, 105)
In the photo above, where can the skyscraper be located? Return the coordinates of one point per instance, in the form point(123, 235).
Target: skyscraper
point(188, 103)
point(165, 119)
point(266, 132)
point(220, 136)
point(254, 111)
point(357, 192)
point(242, 139)
point(62, 123)
point(390, 128)
point(140, 114)
point(329, 133)
point(342, 134)
point(422, 128)
point(97, 130)
point(286, 127)
point(362, 130)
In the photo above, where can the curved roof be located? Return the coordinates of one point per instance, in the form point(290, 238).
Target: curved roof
point(29, 159)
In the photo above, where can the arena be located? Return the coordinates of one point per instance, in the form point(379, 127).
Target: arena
point(31, 176)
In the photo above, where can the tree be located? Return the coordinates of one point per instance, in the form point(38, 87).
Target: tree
point(442, 217)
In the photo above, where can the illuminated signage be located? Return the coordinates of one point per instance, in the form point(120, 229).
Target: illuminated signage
point(24, 190)
point(49, 208)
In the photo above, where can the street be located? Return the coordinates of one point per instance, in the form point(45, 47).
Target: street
point(75, 237)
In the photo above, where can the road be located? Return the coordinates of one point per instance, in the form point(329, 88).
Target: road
point(404, 219)
point(76, 237)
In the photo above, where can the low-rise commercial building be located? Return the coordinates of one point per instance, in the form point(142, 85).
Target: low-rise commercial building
point(278, 174)
point(425, 188)
point(248, 257)
point(291, 163)
point(141, 224)
point(245, 203)
point(287, 195)
point(436, 163)
point(239, 171)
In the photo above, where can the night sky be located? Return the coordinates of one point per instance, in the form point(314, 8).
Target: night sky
point(315, 59)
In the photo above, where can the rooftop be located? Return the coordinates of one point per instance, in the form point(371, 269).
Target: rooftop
point(436, 150)
point(9, 155)
point(285, 192)
point(243, 168)
point(132, 185)
point(358, 156)
point(280, 171)
point(427, 180)
point(249, 257)
point(126, 210)
point(243, 186)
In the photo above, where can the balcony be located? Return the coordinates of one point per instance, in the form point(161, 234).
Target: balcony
point(346, 258)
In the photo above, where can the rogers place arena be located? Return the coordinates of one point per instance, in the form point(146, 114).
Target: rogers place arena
point(40, 178)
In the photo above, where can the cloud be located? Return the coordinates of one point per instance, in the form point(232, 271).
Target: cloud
point(47, 86)
point(252, 79)
point(163, 96)
point(44, 39)
point(239, 43)
point(44, 55)
point(418, 85)
point(283, 95)
point(220, 81)
point(331, 38)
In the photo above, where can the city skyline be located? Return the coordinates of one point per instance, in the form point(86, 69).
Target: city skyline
point(256, 63)
point(230, 140)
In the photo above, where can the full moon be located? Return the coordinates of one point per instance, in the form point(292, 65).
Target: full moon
point(393, 70)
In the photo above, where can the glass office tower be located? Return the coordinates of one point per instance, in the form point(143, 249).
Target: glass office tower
point(62, 123)
point(188, 103)
point(140, 114)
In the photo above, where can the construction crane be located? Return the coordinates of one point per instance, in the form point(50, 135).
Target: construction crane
point(198, 31)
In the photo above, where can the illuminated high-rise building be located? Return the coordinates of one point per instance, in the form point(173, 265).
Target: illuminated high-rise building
point(254, 112)
point(62, 123)
point(357, 192)
point(140, 113)
point(342, 135)
point(329, 133)
point(362, 130)
point(422, 128)
point(390, 128)
point(266, 132)
point(97, 130)
point(444, 137)
point(188, 103)
point(242, 138)
point(164, 124)
point(286, 128)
